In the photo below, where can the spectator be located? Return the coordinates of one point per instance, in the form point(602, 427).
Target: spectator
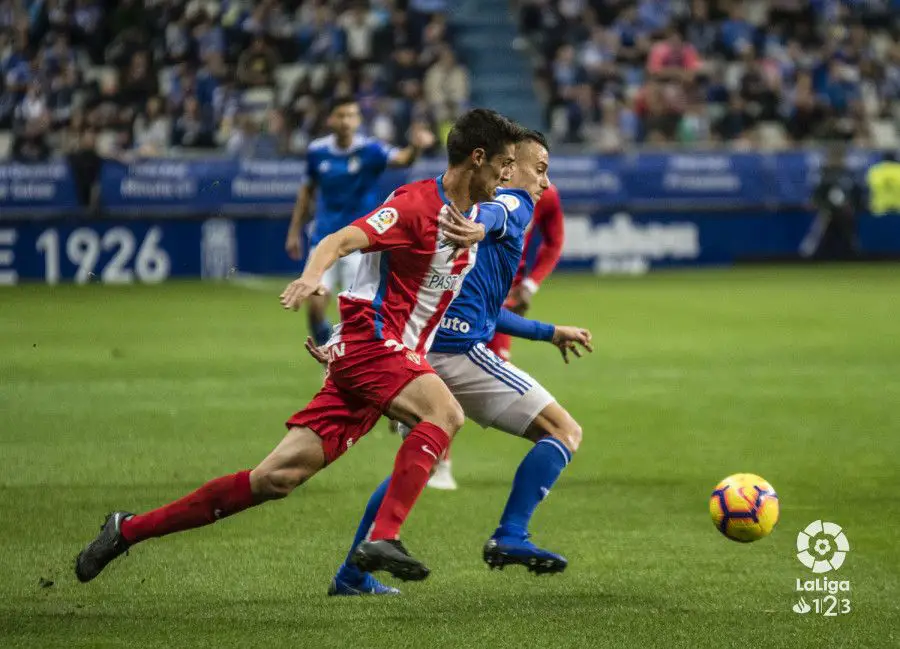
point(736, 33)
point(447, 87)
point(404, 70)
point(392, 36)
point(256, 67)
point(272, 142)
point(62, 96)
point(192, 129)
point(85, 163)
point(359, 26)
point(152, 130)
point(735, 123)
point(804, 110)
point(321, 40)
point(673, 59)
point(700, 31)
point(139, 81)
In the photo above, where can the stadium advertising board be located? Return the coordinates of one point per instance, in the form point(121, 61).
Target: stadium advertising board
point(211, 218)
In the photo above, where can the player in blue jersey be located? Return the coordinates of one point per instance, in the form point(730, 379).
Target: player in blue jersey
point(343, 169)
point(492, 392)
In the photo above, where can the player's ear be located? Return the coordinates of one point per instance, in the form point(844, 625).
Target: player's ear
point(478, 157)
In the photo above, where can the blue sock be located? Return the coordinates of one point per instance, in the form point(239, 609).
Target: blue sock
point(534, 478)
point(321, 332)
point(348, 572)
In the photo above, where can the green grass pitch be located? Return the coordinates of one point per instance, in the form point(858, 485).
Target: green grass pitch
point(129, 397)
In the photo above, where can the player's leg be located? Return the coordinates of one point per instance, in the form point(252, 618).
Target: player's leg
point(557, 436)
point(442, 475)
point(427, 406)
point(349, 579)
point(296, 459)
point(500, 395)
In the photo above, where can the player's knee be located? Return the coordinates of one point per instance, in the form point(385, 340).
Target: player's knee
point(453, 417)
point(279, 483)
point(568, 432)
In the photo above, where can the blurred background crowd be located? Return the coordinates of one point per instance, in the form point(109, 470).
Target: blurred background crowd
point(154, 77)
point(157, 77)
point(750, 73)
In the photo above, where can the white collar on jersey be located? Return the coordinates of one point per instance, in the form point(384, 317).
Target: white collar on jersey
point(330, 141)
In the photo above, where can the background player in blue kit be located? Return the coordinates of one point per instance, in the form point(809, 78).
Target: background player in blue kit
point(492, 392)
point(342, 171)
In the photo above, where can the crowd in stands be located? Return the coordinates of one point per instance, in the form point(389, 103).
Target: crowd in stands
point(734, 72)
point(247, 77)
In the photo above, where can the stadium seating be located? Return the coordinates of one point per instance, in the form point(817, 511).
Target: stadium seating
point(95, 64)
point(669, 72)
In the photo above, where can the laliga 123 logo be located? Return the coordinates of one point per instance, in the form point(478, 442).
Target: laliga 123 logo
point(822, 547)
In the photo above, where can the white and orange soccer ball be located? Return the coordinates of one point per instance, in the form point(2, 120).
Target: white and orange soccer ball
point(744, 507)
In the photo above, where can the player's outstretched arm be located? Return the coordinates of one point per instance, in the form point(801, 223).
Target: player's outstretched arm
point(567, 339)
point(333, 247)
point(420, 139)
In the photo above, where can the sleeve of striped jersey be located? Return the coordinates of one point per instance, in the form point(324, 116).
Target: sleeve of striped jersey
point(551, 224)
point(390, 226)
point(515, 325)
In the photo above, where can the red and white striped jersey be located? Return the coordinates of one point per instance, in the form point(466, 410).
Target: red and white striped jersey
point(408, 276)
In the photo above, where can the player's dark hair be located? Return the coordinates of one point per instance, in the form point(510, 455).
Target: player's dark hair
point(530, 135)
point(340, 100)
point(481, 128)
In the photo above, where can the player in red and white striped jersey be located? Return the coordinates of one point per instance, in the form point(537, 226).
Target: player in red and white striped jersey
point(419, 246)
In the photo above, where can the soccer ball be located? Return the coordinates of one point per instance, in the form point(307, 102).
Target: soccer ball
point(744, 507)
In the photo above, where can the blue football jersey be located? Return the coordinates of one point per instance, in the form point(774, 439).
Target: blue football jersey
point(472, 316)
point(346, 180)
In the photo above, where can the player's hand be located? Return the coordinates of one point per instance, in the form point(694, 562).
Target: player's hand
point(297, 292)
point(458, 230)
point(292, 245)
point(572, 339)
point(421, 137)
point(319, 354)
point(519, 300)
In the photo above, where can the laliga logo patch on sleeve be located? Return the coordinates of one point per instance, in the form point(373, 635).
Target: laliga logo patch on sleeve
point(382, 220)
point(509, 201)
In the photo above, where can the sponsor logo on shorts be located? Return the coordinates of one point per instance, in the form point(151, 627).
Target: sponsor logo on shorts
point(455, 324)
point(414, 357)
point(383, 220)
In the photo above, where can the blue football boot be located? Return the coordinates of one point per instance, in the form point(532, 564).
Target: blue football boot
point(366, 585)
point(502, 551)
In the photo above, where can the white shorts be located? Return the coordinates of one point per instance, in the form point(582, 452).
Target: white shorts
point(343, 272)
point(492, 392)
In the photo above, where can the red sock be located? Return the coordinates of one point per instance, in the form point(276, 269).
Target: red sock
point(216, 499)
point(500, 345)
point(418, 453)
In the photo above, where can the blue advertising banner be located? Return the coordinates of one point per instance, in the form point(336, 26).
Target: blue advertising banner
point(146, 250)
point(637, 182)
point(37, 190)
point(624, 242)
